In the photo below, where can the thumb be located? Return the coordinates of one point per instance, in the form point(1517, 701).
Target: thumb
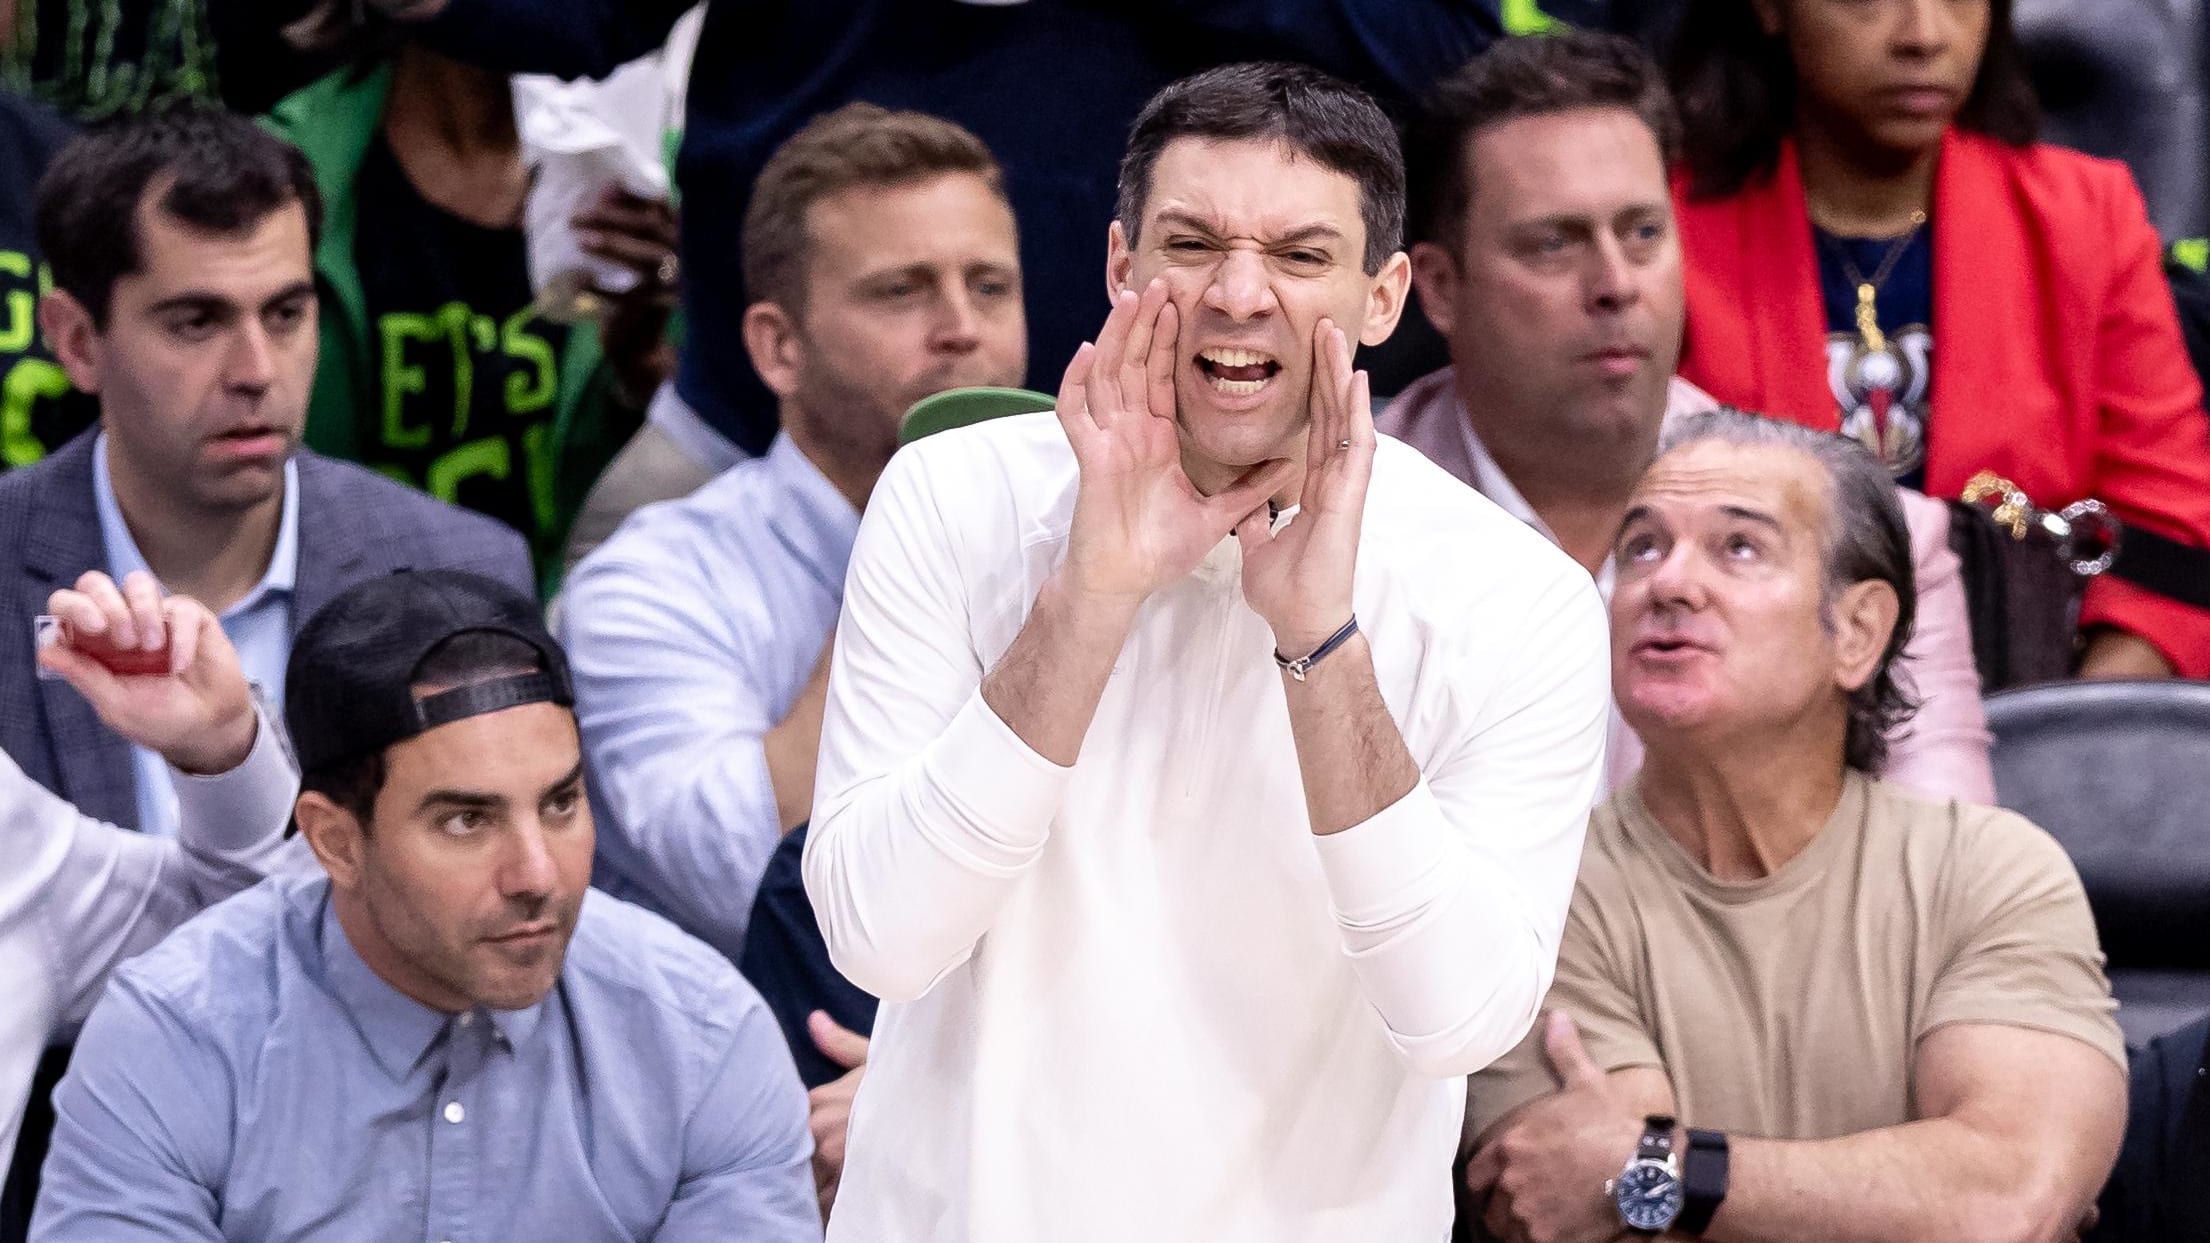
point(1569, 1060)
point(1256, 531)
point(839, 1044)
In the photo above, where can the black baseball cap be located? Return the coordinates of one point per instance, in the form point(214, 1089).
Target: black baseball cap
point(349, 687)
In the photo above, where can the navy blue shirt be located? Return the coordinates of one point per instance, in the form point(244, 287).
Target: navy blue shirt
point(788, 961)
point(1050, 85)
point(1883, 397)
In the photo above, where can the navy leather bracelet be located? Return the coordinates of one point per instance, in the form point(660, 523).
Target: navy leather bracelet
point(1301, 665)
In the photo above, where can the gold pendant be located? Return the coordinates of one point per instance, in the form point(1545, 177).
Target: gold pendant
point(1868, 323)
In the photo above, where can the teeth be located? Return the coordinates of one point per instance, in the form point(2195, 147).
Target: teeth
point(1238, 388)
point(1235, 358)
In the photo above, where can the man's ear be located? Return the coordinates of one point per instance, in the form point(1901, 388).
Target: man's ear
point(1863, 618)
point(1120, 261)
point(72, 336)
point(1385, 301)
point(335, 835)
point(771, 337)
point(1435, 275)
point(1769, 17)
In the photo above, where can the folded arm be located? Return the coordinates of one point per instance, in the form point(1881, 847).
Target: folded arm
point(2018, 1131)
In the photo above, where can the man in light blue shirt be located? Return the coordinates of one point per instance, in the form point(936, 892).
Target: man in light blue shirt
point(449, 1036)
point(259, 625)
point(886, 268)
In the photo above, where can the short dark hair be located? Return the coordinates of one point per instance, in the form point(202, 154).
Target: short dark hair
point(1867, 539)
point(1319, 117)
point(223, 174)
point(467, 658)
point(1737, 91)
point(1526, 76)
point(856, 146)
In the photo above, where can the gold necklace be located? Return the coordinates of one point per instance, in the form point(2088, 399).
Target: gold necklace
point(1868, 321)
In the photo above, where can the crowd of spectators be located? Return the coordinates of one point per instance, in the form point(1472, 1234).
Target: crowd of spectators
point(1447, 703)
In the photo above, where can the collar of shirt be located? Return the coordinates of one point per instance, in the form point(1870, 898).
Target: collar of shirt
point(122, 551)
point(819, 523)
point(398, 1030)
point(1490, 481)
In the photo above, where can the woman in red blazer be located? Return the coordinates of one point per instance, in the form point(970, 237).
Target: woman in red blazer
point(1874, 243)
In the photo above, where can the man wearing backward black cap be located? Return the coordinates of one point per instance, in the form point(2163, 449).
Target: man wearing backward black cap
point(449, 1036)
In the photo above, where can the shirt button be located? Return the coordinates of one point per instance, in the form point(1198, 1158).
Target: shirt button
point(453, 1112)
point(467, 1018)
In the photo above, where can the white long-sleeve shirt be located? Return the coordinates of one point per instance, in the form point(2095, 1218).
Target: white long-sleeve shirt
point(1138, 998)
point(78, 896)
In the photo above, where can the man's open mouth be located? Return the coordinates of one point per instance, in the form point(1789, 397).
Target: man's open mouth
point(1237, 373)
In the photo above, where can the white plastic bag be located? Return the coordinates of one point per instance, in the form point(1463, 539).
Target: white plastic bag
point(581, 137)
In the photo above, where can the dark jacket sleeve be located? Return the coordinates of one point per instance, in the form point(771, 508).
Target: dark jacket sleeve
point(568, 38)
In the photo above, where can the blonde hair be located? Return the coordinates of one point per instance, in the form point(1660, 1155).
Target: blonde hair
point(857, 145)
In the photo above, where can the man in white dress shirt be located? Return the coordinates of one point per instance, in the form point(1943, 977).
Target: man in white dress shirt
point(1202, 778)
point(78, 896)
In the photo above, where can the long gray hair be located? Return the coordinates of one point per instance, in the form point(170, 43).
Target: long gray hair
point(1866, 540)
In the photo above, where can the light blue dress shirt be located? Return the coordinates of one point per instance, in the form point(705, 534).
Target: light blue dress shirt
point(689, 634)
point(252, 1080)
point(259, 624)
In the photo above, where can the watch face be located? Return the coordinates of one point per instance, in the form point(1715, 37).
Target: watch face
point(1649, 1195)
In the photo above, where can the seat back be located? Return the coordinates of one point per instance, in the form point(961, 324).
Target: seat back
point(2125, 79)
point(2119, 773)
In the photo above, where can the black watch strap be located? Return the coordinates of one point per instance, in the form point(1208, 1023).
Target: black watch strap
point(1703, 1180)
point(1657, 1138)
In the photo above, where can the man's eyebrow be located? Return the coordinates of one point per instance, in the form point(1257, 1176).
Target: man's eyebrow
point(466, 800)
point(1173, 217)
point(290, 293)
point(478, 800)
point(573, 777)
point(207, 301)
point(1635, 513)
point(193, 300)
point(1310, 233)
point(1758, 516)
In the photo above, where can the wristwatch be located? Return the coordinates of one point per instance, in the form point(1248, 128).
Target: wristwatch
point(1648, 1190)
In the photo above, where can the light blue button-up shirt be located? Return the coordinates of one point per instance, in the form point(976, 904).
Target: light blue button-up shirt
point(689, 634)
point(252, 1079)
point(259, 624)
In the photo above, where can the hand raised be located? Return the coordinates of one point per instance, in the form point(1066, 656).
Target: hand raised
point(198, 713)
point(1300, 578)
point(1139, 523)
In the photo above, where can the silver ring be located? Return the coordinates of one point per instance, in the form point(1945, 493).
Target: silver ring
point(1342, 444)
point(669, 269)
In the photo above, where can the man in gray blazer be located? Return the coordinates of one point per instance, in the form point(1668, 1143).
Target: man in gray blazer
point(182, 250)
point(181, 244)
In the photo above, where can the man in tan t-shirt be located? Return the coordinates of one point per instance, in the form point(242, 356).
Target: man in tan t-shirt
point(1885, 1017)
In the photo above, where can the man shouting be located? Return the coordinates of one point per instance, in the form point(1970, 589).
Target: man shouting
point(1202, 778)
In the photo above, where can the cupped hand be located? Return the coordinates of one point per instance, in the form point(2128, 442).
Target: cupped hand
point(1300, 578)
point(1139, 523)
